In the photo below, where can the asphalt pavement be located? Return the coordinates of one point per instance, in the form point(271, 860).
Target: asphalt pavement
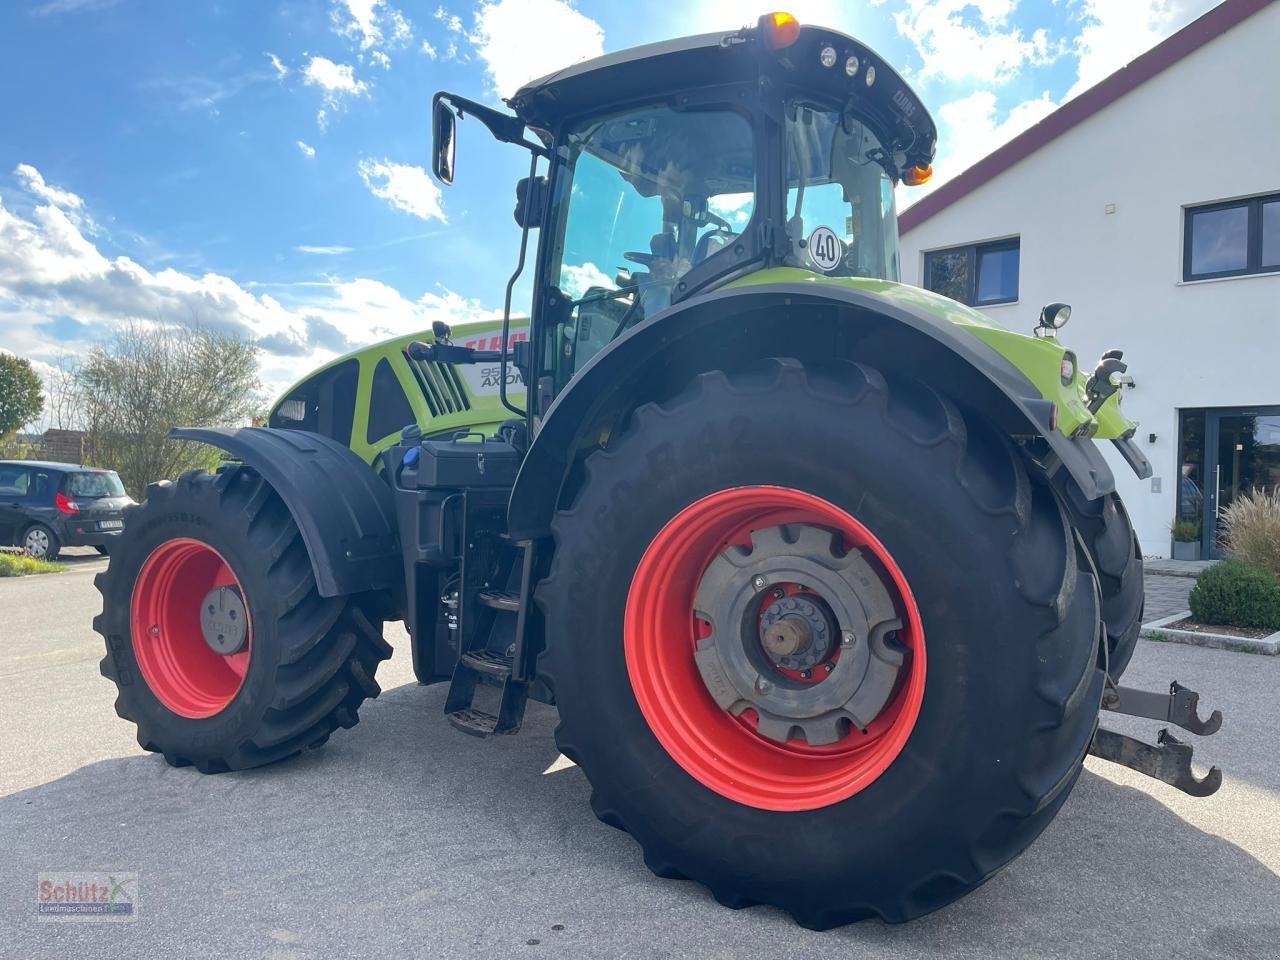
point(404, 838)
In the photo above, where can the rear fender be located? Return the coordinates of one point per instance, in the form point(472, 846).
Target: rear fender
point(344, 511)
point(809, 321)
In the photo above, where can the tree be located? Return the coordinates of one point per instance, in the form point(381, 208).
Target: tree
point(64, 394)
point(150, 378)
point(20, 398)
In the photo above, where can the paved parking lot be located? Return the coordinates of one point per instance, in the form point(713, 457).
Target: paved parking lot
point(1166, 596)
point(404, 838)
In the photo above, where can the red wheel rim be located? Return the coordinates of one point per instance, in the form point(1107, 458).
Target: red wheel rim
point(182, 671)
point(724, 752)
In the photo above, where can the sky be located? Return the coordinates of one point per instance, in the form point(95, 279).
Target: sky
point(262, 167)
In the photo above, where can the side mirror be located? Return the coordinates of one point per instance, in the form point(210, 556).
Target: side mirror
point(444, 126)
point(531, 199)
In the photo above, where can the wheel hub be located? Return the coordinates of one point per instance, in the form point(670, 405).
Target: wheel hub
point(835, 631)
point(796, 629)
point(223, 621)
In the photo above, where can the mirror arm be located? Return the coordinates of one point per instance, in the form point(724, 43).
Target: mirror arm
point(503, 126)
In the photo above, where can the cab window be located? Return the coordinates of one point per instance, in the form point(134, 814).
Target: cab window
point(841, 219)
point(651, 193)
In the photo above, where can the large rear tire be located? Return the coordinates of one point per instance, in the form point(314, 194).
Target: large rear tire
point(978, 560)
point(294, 667)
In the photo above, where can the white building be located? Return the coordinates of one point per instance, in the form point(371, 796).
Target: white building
point(1151, 204)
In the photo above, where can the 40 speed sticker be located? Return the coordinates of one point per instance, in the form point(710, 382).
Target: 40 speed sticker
point(825, 249)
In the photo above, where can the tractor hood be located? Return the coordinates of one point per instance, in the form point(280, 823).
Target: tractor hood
point(857, 76)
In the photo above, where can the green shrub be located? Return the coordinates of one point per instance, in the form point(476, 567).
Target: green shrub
point(19, 565)
point(1235, 593)
point(1251, 527)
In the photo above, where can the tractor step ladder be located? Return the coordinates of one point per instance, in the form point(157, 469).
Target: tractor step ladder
point(481, 667)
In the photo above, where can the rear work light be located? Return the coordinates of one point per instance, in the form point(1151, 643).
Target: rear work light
point(65, 504)
point(780, 30)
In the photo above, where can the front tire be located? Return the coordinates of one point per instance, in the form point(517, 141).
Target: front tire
point(1104, 525)
point(1010, 690)
point(290, 667)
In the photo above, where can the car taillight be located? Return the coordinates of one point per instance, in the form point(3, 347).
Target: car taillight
point(66, 504)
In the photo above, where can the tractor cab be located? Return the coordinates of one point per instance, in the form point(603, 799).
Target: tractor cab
point(669, 170)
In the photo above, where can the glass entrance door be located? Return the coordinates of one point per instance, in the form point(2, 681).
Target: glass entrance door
point(1242, 453)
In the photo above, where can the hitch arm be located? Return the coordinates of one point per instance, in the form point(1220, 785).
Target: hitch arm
point(1180, 706)
point(1169, 761)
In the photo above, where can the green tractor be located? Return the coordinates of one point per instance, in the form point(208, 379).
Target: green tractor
point(825, 575)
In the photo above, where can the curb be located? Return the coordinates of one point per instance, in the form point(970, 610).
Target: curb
point(1160, 631)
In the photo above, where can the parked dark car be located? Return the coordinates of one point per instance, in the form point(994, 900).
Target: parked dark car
point(47, 506)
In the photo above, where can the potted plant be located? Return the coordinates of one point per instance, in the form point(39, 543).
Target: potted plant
point(1186, 539)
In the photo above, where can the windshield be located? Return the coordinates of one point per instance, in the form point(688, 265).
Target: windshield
point(90, 486)
point(654, 192)
point(840, 212)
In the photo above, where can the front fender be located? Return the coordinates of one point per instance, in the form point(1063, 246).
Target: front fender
point(345, 513)
point(853, 309)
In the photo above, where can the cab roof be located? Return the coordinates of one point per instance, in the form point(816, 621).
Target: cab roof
point(711, 59)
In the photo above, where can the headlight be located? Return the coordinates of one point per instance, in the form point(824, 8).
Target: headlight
point(1054, 316)
point(1068, 370)
point(851, 67)
point(828, 56)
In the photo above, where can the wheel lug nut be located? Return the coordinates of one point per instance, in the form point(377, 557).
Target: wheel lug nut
point(806, 674)
point(778, 593)
point(758, 582)
point(847, 639)
point(828, 667)
point(763, 685)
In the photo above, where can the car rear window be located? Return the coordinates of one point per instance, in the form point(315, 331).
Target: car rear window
point(98, 483)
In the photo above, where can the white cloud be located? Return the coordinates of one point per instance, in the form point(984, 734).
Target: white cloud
point(428, 49)
point(519, 40)
point(969, 130)
point(307, 149)
point(577, 280)
point(281, 70)
point(337, 80)
point(405, 187)
point(451, 20)
point(35, 185)
point(734, 207)
point(371, 23)
point(329, 251)
point(50, 272)
point(1115, 33)
point(967, 40)
point(380, 59)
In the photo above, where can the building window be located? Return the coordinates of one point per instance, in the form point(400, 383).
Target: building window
point(978, 274)
point(1232, 239)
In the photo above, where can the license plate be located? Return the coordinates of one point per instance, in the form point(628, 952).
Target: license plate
point(110, 524)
